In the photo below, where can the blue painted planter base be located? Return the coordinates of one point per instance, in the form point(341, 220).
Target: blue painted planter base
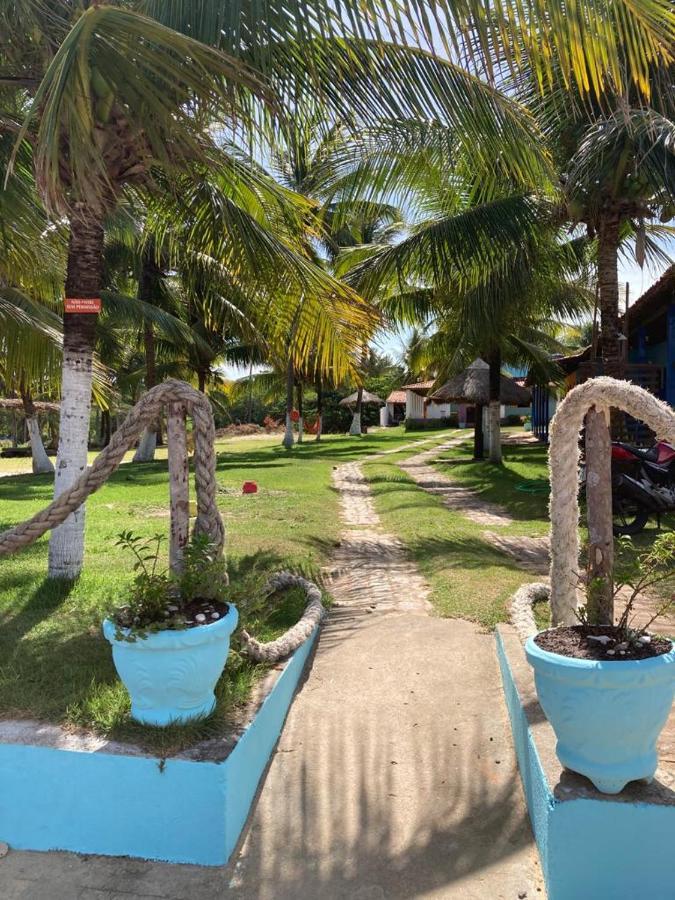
point(592, 846)
point(179, 810)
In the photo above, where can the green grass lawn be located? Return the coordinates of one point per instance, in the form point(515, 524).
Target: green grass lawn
point(54, 662)
point(469, 578)
point(520, 485)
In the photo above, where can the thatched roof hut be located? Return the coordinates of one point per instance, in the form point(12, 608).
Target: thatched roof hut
point(473, 386)
point(367, 397)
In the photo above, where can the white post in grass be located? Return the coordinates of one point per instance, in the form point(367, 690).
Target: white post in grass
point(179, 484)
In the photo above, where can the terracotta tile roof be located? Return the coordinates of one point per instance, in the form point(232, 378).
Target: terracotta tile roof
point(396, 396)
point(419, 386)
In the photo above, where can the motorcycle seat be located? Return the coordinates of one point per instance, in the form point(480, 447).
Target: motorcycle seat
point(646, 453)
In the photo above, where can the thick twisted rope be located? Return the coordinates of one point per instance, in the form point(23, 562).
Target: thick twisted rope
point(602, 393)
point(143, 413)
point(298, 634)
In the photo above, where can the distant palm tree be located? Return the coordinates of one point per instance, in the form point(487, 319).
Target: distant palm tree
point(122, 93)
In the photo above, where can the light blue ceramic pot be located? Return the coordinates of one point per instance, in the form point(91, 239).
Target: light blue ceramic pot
point(607, 716)
point(170, 675)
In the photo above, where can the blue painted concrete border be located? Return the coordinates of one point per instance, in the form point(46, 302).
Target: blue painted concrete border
point(590, 849)
point(181, 811)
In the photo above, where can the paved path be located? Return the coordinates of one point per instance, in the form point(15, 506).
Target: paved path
point(395, 775)
point(532, 553)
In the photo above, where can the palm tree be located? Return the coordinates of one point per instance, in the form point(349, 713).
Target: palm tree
point(117, 102)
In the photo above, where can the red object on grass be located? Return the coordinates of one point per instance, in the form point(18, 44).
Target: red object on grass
point(250, 487)
point(295, 416)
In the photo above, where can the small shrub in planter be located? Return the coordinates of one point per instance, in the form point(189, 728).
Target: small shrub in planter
point(171, 638)
point(607, 690)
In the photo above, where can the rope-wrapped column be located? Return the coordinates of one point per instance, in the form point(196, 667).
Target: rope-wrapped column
point(143, 413)
point(602, 393)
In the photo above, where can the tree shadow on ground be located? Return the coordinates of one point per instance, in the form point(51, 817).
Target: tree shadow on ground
point(44, 600)
point(468, 823)
point(469, 813)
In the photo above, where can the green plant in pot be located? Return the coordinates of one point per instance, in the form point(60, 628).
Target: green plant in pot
point(171, 637)
point(607, 689)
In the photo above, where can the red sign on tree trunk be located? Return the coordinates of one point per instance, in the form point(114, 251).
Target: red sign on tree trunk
point(82, 305)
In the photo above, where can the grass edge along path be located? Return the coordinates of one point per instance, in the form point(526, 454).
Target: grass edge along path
point(469, 578)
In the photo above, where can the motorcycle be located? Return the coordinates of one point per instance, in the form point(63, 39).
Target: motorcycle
point(643, 484)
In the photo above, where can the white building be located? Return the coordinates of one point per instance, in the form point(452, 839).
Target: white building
point(410, 402)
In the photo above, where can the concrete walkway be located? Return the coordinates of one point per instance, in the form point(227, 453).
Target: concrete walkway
point(395, 775)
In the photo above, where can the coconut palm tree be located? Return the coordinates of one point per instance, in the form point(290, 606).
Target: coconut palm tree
point(117, 102)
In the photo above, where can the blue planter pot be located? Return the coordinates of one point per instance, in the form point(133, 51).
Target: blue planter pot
point(170, 675)
point(607, 716)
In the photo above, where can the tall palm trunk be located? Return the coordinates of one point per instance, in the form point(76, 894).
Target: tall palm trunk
point(319, 407)
point(288, 440)
point(598, 440)
point(494, 430)
point(83, 280)
point(478, 436)
point(355, 427)
point(147, 287)
point(42, 464)
point(301, 423)
point(608, 283)
point(249, 399)
point(104, 435)
point(201, 380)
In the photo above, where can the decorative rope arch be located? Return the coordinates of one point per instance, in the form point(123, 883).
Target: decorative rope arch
point(179, 397)
point(602, 393)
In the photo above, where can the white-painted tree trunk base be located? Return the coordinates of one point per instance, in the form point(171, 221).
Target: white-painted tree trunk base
point(66, 545)
point(301, 430)
point(494, 431)
point(355, 427)
point(319, 426)
point(145, 452)
point(42, 464)
point(288, 440)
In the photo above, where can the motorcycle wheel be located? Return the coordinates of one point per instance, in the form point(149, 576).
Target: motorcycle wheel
point(628, 517)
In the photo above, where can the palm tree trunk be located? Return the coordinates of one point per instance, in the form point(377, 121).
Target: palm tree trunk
point(598, 440)
point(201, 380)
point(355, 427)
point(300, 411)
point(608, 283)
point(145, 452)
point(319, 407)
point(249, 399)
point(83, 279)
point(288, 440)
point(104, 438)
point(42, 464)
point(494, 430)
point(478, 437)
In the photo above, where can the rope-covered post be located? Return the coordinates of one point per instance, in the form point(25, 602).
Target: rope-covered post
point(602, 393)
point(179, 485)
point(600, 600)
point(141, 415)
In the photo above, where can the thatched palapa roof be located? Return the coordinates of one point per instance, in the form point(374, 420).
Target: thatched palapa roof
point(367, 398)
point(473, 386)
